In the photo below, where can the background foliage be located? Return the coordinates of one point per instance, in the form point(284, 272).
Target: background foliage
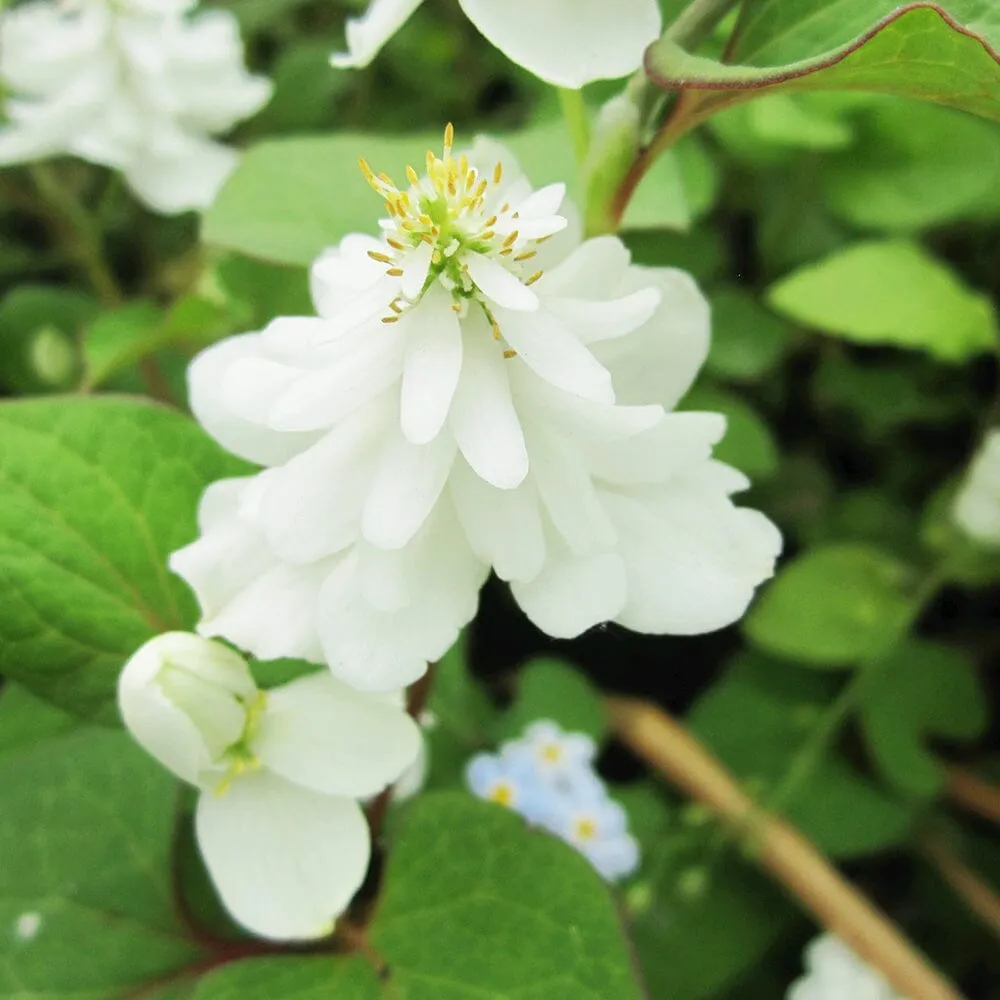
point(848, 237)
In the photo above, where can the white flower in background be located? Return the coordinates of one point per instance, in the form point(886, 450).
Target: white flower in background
point(834, 972)
point(977, 505)
point(481, 389)
point(564, 42)
point(547, 776)
point(131, 84)
point(280, 772)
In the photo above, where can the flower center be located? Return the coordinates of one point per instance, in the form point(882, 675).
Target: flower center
point(240, 756)
point(585, 829)
point(447, 224)
point(503, 793)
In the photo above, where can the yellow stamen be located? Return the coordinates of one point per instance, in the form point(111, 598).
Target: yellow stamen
point(449, 139)
point(510, 353)
point(390, 319)
point(511, 238)
point(526, 256)
point(397, 272)
point(497, 173)
point(382, 258)
point(534, 277)
point(411, 175)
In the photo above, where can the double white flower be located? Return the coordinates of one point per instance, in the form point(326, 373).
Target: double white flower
point(280, 772)
point(834, 972)
point(481, 390)
point(564, 42)
point(131, 84)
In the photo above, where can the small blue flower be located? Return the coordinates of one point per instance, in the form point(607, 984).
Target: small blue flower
point(561, 758)
point(511, 782)
point(598, 829)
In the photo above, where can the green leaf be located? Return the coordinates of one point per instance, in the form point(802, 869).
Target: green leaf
point(747, 339)
point(477, 905)
point(924, 690)
point(756, 720)
point(96, 492)
point(85, 893)
point(25, 719)
point(946, 54)
point(748, 444)
point(915, 165)
point(692, 944)
point(551, 689)
point(889, 292)
point(291, 198)
point(109, 344)
point(319, 977)
point(831, 607)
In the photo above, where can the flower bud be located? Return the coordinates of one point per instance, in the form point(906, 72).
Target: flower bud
point(185, 700)
point(977, 506)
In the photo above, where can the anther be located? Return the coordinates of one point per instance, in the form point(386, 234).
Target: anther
point(390, 319)
point(534, 277)
point(449, 139)
point(520, 256)
point(497, 173)
point(510, 353)
point(397, 272)
point(411, 175)
point(496, 330)
point(395, 244)
point(511, 238)
point(382, 258)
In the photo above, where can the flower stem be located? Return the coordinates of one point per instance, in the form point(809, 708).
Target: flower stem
point(574, 111)
point(78, 230)
point(781, 849)
point(974, 794)
point(978, 895)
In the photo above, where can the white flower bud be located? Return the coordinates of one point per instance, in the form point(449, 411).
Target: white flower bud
point(185, 700)
point(834, 972)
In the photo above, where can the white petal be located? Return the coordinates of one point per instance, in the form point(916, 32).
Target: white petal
point(596, 266)
point(366, 35)
point(658, 363)
point(554, 354)
point(311, 506)
point(593, 321)
point(274, 614)
point(483, 418)
point(190, 179)
point(384, 577)
point(543, 203)
point(569, 42)
point(693, 559)
point(407, 484)
point(498, 284)
point(567, 490)
point(375, 651)
point(324, 735)
point(285, 860)
point(677, 443)
point(504, 527)
point(341, 273)
point(432, 366)
point(416, 265)
point(186, 735)
point(573, 594)
point(207, 376)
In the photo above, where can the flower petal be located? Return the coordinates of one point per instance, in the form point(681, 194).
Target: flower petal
point(286, 861)
point(548, 348)
point(432, 366)
point(498, 284)
point(483, 418)
point(406, 486)
point(572, 594)
point(569, 42)
point(324, 735)
point(367, 34)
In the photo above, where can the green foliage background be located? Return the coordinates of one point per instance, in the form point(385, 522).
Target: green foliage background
point(848, 237)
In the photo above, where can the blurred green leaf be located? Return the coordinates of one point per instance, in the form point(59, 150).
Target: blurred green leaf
point(748, 444)
point(551, 689)
point(299, 977)
point(915, 165)
point(946, 54)
point(25, 719)
point(85, 894)
point(747, 339)
point(831, 607)
point(304, 89)
point(924, 690)
point(467, 882)
point(889, 292)
point(96, 493)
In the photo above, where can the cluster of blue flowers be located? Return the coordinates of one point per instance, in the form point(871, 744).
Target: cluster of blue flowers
point(548, 777)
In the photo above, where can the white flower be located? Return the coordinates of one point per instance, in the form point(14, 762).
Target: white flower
point(280, 772)
point(564, 42)
point(834, 972)
point(977, 506)
point(481, 389)
point(130, 84)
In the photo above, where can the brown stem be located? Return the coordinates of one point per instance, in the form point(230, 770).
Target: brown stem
point(974, 794)
point(980, 897)
point(779, 848)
